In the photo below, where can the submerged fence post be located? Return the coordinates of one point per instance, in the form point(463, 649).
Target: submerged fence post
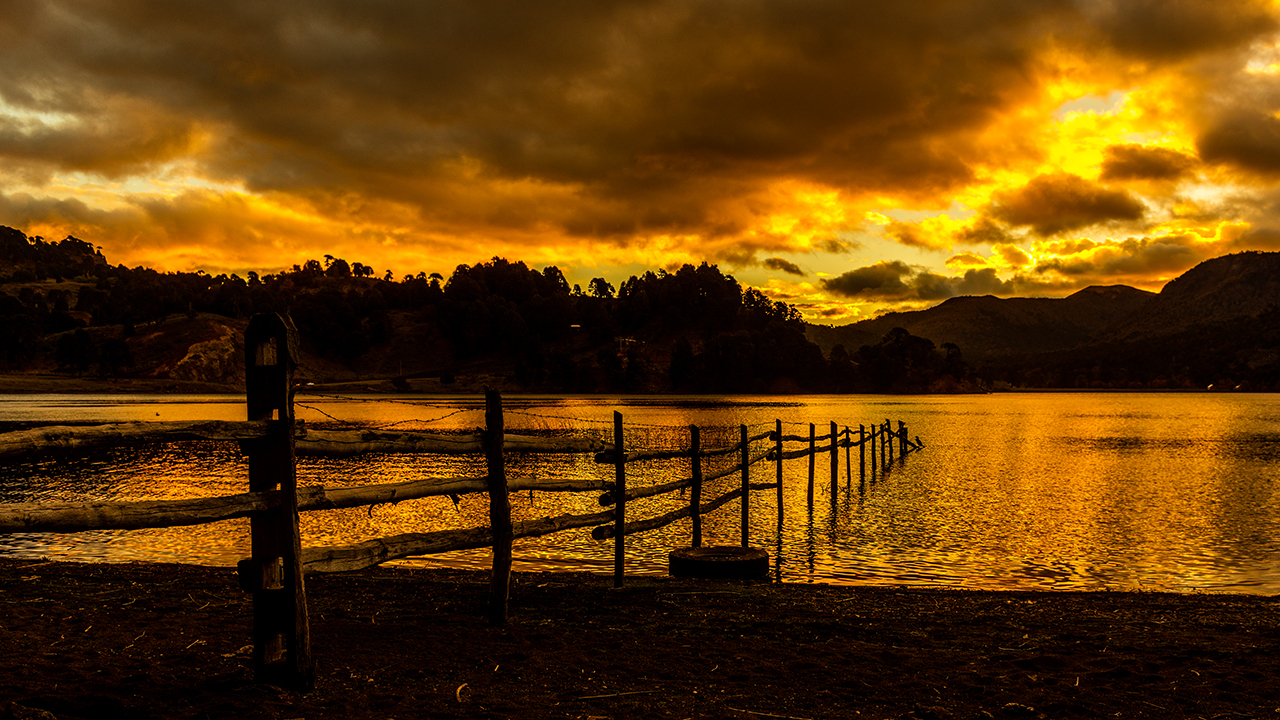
point(902, 437)
point(812, 459)
point(835, 461)
point(620, 507)
point(746, 485)
point(777, 451)
point(499, 510)
point(273, 572)
point(695, 497)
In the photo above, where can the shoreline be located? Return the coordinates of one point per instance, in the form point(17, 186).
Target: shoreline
point(54, 384)
point(91, 640)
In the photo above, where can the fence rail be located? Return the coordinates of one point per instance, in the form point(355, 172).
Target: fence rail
point(271, 439)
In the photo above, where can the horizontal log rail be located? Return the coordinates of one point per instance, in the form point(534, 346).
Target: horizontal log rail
point(604, 532)
point(137, 515)
point(307, 441)
point(86, 437)
point(607, 456)
point(343, 558)
point(346, 443)
point(609, 498)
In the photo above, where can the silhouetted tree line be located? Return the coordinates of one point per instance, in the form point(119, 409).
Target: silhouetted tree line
point(692, 330)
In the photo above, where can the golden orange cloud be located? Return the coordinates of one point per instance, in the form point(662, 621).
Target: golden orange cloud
point(992, 146)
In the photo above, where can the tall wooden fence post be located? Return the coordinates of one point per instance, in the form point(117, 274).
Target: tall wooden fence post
point(874, 439)
point(499, 510)
point(902, 438)
point(888, 443)
point(862, 453)
point(746, 485)
point(620, 507)
point(273, 572)
point(777, 451)
point(695, 497)
point(848, 456)
point(813, 454)
point(835, 461)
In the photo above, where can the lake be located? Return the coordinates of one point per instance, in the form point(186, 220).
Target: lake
point(1012, 491)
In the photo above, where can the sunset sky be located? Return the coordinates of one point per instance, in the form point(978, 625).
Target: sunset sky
point(847, 157)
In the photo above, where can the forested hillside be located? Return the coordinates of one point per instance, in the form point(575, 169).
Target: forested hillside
point(65, 309)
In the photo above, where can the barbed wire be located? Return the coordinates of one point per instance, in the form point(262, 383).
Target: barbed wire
point(349, 398)
point(383, 426)
point(509, 411)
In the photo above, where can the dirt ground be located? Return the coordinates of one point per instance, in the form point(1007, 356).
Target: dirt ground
point(169, 641)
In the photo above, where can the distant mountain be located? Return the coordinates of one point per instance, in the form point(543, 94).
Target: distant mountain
point(1217, 324)
point(1232, 288)
point(986, 327)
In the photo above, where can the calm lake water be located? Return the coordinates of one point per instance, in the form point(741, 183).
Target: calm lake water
point(1013, 491)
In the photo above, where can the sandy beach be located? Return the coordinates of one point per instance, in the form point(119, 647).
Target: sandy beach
point(169, 641)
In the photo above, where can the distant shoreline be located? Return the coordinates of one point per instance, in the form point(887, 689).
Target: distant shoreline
point(51, 384)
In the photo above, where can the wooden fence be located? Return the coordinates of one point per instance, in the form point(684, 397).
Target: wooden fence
point(271, 438)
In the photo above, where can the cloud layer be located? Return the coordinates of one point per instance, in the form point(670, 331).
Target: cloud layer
point(759, 134)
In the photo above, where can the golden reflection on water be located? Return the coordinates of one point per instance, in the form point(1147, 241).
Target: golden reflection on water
point(1063, 491)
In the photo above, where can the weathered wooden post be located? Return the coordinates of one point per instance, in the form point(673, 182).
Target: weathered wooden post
point(848, 456)
point(620, 507)
point(874, 438)
point(499, 509)
point(273, 572)
point(888, 443)
point(902, 438)
point(813, 454)
point(835, 461)
point(746, 484)
point(695, 497)
point(862, 453)
point(777, 451)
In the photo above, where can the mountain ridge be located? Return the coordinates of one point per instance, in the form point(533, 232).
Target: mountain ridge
point(1217, 323)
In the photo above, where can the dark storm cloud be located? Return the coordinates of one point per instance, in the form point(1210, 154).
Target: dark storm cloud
point(1136, 257)
point(585, 120)
point(1053, 203)
point(1157, 29)
point(1245, 139)
point(899, 281)
point(883, 279)
point(1137, 162)
point(785, 266)
point(983, 231)
point(651, 114)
